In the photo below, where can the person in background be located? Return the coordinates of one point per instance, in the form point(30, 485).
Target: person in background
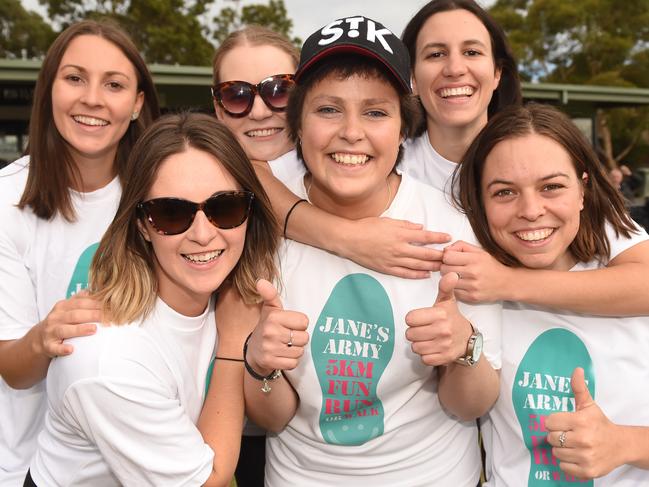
point(570, 403)
point(93, 98)
point(253, 75)
point(123, 408)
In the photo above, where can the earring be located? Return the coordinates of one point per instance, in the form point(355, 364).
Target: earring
point(134, 116)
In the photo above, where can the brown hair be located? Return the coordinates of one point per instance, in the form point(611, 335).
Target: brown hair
point(255, 35)
point(344, 66)
point(602, 202)
point(52, 170)
point(508, 91)
point(122, 272)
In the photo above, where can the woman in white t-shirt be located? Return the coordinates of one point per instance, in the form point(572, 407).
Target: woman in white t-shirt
point(93, 98)
point(357, 375)
point(571, 384)
point(252, 77)
point(123, 408)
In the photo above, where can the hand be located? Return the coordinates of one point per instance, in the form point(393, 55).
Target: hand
point(235, 319)
point(268, 347)
point(69, 318)
point(395, 247)
point(482, 277)
point(592, 445)
point(439, 334)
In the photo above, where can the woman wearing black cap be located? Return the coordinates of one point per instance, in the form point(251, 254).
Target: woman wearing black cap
point(371, 377)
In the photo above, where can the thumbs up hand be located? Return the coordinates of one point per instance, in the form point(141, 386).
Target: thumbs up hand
point(439, 334)
point(592, 445)
point(280, 336)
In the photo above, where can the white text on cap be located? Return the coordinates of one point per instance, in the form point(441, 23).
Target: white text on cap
point(354, 23)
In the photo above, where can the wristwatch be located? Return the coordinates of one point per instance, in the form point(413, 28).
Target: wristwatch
point(473, 349)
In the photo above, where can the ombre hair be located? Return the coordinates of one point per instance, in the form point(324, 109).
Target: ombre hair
point(254, 35)
point(122, 274)
point(603, 204)
point(508, 91)
point(52, 170)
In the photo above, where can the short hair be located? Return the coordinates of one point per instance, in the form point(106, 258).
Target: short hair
point(255, 35)
point(602, 202)
point(508, 91)
point(52, 170)
point(122, 273)
point(345, 66)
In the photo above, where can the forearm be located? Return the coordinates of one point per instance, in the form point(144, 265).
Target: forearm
point(635, 444)
point(270, 410)
point(22, 362)
point(221, 420)
point(468, 392)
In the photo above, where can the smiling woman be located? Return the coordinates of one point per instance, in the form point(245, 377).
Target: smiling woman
point(93, 98)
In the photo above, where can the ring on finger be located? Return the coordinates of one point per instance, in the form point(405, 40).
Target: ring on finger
point(459, 276)
point(562, 439)
point(290, 339)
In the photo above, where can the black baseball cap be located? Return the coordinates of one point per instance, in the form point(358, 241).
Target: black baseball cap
point(359, 35)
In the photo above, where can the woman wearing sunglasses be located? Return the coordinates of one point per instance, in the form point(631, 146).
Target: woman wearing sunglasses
point(93, 98)
point(253, 74)
point(123, 407)
point(361, 375)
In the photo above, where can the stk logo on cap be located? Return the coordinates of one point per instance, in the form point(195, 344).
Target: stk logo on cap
point(362, 36)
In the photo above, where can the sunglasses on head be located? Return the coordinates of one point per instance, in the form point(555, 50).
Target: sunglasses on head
point(237, 97)
point(171, 216)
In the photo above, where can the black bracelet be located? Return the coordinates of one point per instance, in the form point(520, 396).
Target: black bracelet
point(275, 374)
point(229, 359)
point(289, 214)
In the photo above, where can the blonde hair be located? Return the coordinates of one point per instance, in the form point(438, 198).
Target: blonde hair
point(122, 274)
point(255, 35)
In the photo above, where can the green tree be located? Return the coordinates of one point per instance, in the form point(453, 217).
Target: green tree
point(22, 33)
point(167, 31)
point(274, 16)
point(598, 42)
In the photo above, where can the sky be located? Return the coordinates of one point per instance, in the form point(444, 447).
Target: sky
point(310, 15)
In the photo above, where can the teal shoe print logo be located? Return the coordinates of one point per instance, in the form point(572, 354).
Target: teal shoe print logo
point(542, 387)
point(351, 344)
point(79, 280)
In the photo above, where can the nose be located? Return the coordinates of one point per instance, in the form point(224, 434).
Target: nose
point(92, 95)
point(530, 206)
point(260, 110)
point(202, 231)
point(455, 65)
point(351, 129)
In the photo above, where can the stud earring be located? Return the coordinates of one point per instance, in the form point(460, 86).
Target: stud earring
point(134, 116)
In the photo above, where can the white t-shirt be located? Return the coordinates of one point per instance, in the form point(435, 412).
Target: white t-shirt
point(369, 411)
point(422, 162)
point(122, 408)
point(541, 348)
point(41, 262)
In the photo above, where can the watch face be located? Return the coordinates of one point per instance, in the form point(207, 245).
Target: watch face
point(477, 348)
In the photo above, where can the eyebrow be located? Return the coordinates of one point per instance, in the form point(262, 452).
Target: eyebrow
point(468, 42)
point(84, 70)
point(544, 178)
point(340, 100)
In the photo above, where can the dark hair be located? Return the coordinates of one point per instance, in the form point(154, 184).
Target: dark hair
point(344, 66)
point(255, 35)
point(602, 202)
point(122, 272)
point(508, 91)
point(52, 170)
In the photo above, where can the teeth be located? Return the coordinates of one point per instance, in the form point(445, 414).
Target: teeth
point(535, 235)
point(350, 159)
point(462, 90)
point(262, 132)
point(98, 122)
point(203, 258)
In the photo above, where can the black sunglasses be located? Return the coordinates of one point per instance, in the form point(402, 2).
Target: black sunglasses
point(237, 97)
point(171, 216)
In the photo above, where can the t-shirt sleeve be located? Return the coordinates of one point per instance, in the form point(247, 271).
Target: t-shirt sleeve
point(140, 428)
point(287, 167)
point(619, 243)
point(18, 308)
